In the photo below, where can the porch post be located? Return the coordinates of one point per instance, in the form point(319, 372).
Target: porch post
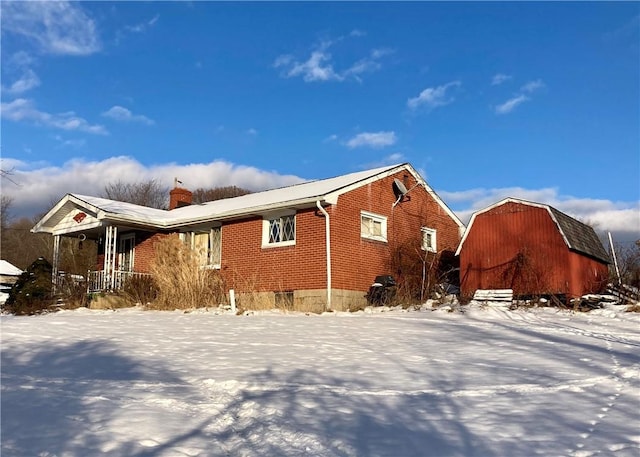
point(56, 262)
point(111, 235)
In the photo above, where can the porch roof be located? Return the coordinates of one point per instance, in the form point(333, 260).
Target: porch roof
point(301, 195)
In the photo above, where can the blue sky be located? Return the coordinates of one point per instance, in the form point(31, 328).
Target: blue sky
point(487, 100)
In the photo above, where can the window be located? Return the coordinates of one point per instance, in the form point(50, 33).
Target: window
point(373, 226)
point(429, 240)
point(207, 246)
point(279, 230)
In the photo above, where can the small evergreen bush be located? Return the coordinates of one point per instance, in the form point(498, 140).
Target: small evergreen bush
point(33, 291)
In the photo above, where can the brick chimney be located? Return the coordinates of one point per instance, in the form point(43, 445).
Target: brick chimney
point(179, 197)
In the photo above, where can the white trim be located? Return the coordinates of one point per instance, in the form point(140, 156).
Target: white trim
point(375, 218)
point(266, 226)
point(132, 252)
point(434, 239)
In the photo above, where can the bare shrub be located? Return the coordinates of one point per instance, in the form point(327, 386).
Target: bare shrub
point(421, 273)
point(73, 291)
point(140, 290)
point(181, 282)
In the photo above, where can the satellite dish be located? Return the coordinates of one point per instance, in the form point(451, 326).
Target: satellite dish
point(399, 188)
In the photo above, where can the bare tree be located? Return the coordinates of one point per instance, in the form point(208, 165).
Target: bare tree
point(5, 208)
point(6, 174)
point(629, 263)
point(146, 193)
point(202, 195)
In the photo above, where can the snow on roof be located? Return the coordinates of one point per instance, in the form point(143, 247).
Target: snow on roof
point(8, 269)
point(274, 198)
point(139, 212)
point(298, 194)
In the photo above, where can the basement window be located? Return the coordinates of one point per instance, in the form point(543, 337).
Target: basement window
point(373, 226)
point(429, 239)
point(279, 230)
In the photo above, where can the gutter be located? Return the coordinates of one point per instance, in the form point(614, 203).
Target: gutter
point(327, 232)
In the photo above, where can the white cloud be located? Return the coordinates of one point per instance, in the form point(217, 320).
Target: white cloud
point(122, 114)
point(433, 97)
point(511, 104)
point(55, 27)
point(319, 65)
point(143, 26)
point(73, 143)
point(520, 98)
point(499, 78)
point(315, 68)
point(532, 86)
point(252, 132)
point(372, 139)
point(391, 159)
point(621, 218)
point(26, 82)
point(40, 184)
point(331, 138)
point(22, 109)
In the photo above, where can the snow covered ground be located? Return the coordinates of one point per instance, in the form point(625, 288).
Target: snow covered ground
point(485, 382)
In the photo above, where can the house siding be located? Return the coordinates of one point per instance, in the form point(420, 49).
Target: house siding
point(520, 247)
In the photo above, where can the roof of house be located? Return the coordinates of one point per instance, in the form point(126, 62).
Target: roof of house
point(8, 269)
point(577, 235)
point(301, 195)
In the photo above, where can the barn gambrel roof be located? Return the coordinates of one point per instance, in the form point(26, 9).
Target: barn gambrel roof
point(577, 235)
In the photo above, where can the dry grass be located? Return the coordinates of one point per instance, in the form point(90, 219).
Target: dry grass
point(181, 282)
point(634, 308)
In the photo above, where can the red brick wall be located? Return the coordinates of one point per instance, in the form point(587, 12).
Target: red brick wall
point(145, 250)
point(354, 261)
point(248, 267)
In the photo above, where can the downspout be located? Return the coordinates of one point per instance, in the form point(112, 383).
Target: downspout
point(327, 232)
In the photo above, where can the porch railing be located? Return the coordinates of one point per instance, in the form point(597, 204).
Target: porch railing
point(99, 281)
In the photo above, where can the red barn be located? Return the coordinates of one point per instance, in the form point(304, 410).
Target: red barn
point(533, 249)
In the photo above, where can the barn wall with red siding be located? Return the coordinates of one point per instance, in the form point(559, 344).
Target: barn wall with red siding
point(520, 247)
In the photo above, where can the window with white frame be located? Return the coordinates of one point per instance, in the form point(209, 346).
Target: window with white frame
point(373, 226)
point(279, 230)
point(207, 245)
point(429, 240)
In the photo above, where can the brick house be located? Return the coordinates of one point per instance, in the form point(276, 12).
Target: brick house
point(533, 249)
point(320, 243)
